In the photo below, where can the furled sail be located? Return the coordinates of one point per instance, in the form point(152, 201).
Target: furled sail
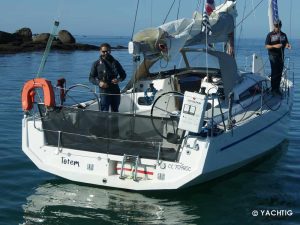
point(273, 13)
point(169, 38)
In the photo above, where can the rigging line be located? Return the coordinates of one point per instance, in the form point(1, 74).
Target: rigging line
point(202, 10)
point(206, 52)
point(247, 108)
point(290, 31)
point(195, 15)
point(252, 8)
point(136, 12)
point(265, 102)
point(249, 14)
point(198, 5)
point(151, 11)
point(60, 9)
point(169, 11)
point(179, 3)
point(203, 6)
point(290, 28)
point(270, 107)
point(206, 42)
point(241, 31)
point(291, 10)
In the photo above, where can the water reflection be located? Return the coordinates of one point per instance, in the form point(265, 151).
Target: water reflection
point(227, 200)
point(62, 203)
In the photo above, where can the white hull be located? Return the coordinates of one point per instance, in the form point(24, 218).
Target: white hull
point(200, 159)
point(187, 115)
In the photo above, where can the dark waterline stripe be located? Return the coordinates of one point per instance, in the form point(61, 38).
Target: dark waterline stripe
point(250, 135)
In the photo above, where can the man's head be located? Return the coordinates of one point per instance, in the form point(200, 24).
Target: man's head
point(105, 50)
point(277, 25)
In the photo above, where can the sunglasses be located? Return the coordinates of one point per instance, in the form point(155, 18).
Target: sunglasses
point(104, 52)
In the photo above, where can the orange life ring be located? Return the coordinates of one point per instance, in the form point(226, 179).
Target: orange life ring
point(28, 93)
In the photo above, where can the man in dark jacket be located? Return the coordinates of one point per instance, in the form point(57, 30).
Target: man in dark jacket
point(276, 42)
point(106, 73)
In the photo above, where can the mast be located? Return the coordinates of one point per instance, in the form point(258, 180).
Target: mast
point(272, 13)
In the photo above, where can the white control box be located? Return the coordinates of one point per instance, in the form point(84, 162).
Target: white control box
point(192, 112)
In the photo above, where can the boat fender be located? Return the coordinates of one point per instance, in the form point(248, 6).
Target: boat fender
point(28, 93)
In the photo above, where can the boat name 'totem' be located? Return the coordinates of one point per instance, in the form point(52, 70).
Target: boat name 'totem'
point(179, 167)
point(69, 162)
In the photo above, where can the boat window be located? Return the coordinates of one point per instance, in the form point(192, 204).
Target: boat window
point(189, 83)
point(163, 65)
point(198, 59)
point(195, 59)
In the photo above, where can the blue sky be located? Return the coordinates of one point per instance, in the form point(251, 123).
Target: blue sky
point(116, 17)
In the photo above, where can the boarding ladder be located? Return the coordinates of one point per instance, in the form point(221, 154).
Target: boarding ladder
point(134, 161)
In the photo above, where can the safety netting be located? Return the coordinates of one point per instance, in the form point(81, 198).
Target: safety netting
point(106, 132)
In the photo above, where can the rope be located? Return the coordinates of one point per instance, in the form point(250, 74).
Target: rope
point(252, 102)
point(197, 7)
point(169, 11)
point(179, 3)
point(291, 7)
point(290, 31)
point(241, 31)
point(136, 11)
point(249, 14)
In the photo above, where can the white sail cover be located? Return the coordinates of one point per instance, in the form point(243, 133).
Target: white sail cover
point(169, 38)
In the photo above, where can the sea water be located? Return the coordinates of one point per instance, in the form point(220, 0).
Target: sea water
point(266, 192)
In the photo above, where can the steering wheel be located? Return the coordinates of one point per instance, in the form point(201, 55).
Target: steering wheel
point(165, 113)
point(78, 104)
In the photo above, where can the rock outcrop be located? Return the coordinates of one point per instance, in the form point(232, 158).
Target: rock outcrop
point(23, 41)
point(43, 37)
point(24, 34)
point(7, 37)
point(66, 37)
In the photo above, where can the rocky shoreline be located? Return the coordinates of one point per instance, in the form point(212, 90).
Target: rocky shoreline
point(23, 41)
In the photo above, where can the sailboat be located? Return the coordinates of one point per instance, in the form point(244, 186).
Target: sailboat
point(187, 116)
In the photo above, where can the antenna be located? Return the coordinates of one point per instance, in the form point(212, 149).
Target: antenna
point(48, 46)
